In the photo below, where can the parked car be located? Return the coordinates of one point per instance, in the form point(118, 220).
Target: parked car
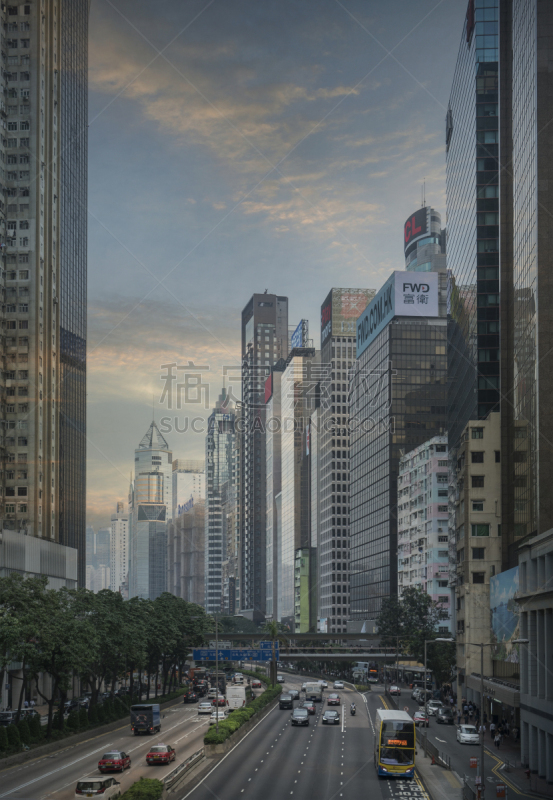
point(433, 706)
point(114, 760)
point(218, 716)
point(421, 718)
point(205, 707)
point(338, 685)
point(331, 718)
point(395, 690)
point(91, 787)
point(7, 717)
point(190, 697)
point(333, 700)
point(467, 734)
point(445, 716)
point(310, 706)
point(300, 716)
point(160, 754)
point(280, 678)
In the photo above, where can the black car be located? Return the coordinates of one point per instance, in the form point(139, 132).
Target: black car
point(294, 694)
point(300, 716)
point(331, 718)
point(309, 705)
point(286, 701)
point(190, 697)
point(444, 716)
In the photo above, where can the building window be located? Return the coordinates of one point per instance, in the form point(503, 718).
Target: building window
point(478, 577)
point(477, 481)
point(477, 433)
point(477, 457)
point(478, 505)
point(442, 584)
point(478, 552)
point(497, 456)
point(480, 529)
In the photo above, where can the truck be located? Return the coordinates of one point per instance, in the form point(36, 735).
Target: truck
point(236, 696)
point(145, 719)
point(314, 691)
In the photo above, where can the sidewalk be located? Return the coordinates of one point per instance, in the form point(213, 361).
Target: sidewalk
point(441, 784)
point(510, 769)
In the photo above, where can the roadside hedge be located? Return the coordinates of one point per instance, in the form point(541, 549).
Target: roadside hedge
point(238, 718)
point(144, 789)
point(256, 674)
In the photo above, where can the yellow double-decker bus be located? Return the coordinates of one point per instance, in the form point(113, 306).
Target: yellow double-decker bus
point(394, 744)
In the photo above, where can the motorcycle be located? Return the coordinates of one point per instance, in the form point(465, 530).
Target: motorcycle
point(352, 711)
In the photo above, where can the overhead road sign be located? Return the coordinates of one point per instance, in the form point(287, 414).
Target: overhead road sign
point(206, 654)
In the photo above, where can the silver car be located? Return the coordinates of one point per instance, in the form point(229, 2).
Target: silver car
point(432, 707)
point(467, 734)
point(205, 707)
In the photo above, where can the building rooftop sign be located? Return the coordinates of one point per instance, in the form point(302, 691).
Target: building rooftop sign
point(405, 294)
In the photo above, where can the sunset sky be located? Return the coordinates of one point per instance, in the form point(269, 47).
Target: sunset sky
point(237, 147)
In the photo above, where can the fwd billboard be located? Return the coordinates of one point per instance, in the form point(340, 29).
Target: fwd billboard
point(405, 294)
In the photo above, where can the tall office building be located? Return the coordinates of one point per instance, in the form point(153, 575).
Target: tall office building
point(44, 223)
point(119, 556)
point(151, 507)
point(397, 401)
point(219, 463)
point(186, 553)
point(339, 314)
point(264, 342)
point(499, 143)
point(188, 481)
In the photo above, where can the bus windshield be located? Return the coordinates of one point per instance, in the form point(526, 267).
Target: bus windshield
point(397, 742)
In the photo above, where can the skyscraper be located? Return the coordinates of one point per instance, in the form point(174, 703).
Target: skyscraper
point(151, 504)
point(264, 342)
point(44, 263)
point(397, 401)
point(188, 481)
point(219, 452)
point(339, 314)
point(119, 557)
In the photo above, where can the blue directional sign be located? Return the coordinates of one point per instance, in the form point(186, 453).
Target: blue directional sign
point(268, 646)
point(243, 654)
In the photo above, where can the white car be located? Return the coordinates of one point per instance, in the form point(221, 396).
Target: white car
point(338, 685)
point(303, 687)
point(324, 684)
point(205, 707)
point(217, 715)
point(433, 706)
point(467, 734)
point(92, 787)
point(280, 678)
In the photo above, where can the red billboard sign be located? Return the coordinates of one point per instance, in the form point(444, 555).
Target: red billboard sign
point(415, 227)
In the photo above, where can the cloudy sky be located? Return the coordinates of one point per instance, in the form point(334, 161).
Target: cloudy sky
point(238, 146)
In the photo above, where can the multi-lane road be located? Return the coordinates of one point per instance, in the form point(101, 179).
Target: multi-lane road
point(326, 762)
point(55, 776)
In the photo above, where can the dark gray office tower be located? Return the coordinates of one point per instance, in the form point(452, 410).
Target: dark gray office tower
point(264, 342)
point(398, 394)
point(73, 155)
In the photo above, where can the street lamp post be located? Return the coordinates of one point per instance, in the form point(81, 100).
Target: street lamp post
point(440, 639)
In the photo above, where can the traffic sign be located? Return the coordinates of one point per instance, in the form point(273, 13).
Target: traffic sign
point(268, 645)
point(500, 790)
point(406, 708)
point(242, 654)
point(473, 762)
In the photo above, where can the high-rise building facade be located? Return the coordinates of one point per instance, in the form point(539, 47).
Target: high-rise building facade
point(219, 465)
point(422, 508)
point(151, 508)
point(44, 216)
point(339, 314)
point(119, 556)
point(186, 553)
point(398, 396)
point(264, 342)
point(188, 481)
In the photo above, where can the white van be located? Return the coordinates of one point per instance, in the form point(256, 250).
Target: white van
point(239, 678)
point(236, 697)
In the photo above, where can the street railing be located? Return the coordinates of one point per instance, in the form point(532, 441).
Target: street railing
point(431, 750)
point(183, 768)
point(468, 791)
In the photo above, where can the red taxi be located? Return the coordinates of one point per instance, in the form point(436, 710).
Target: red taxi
point(160, 754)
point(221, 702)
point(333, 700)
point(114, 760)
point(256, 683)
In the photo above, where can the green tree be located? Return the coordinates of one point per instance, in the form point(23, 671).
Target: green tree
point(3, 739)
point(83, 719)
point(35, 728)
point(24, 732)
point(14, 740)
point(73, 720)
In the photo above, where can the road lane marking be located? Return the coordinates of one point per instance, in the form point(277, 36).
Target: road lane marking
point(52, 772)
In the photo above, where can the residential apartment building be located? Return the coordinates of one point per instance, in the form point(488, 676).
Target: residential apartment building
point(422, 508)
point(476, 518)
point(43, 278)
point(119, 541)
point(151, 503)
point(339, 314)
point(264, 342)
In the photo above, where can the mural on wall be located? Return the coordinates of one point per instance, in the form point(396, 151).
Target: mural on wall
point(505, 615)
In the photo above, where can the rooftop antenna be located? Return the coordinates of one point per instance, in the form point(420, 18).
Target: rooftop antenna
point(424, 193)
point(153, 414)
